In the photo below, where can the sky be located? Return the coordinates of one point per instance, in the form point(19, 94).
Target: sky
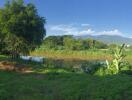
point(85, 17)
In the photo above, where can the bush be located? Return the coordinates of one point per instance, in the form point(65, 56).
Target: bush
point(90, 67)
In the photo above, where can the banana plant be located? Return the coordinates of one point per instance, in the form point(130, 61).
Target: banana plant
point(117, 59)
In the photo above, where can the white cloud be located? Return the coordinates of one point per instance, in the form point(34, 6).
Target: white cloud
point(72, 29)
point(112, 32)
point(61, 30)
point(85, 32)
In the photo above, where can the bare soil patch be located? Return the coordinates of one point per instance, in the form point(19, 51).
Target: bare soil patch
point(13, 66)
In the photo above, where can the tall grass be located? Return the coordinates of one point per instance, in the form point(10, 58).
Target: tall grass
point(66, 54)
point(79, 55)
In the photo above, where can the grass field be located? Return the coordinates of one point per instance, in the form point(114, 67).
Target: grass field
point(64, 86)
point(59, 84)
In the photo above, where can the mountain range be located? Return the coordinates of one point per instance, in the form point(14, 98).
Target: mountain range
point(110, 39)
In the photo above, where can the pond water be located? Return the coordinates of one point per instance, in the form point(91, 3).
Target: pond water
point(71, 65)
point(32, 58)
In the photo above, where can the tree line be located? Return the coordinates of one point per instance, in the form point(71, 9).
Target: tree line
point(68, 42)
point(21, 28)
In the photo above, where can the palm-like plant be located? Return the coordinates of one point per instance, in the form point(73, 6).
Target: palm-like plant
point(118, 58)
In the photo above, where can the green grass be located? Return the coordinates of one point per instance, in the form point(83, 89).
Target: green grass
point(61, 84)
point(64, 86)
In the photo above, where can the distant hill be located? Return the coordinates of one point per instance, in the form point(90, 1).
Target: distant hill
point(108, 39)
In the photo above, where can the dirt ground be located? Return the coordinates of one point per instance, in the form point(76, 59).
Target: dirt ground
point(12, 66)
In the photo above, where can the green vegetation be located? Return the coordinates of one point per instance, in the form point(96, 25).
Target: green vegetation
point(80, 55)
point(117, 64)
point(54, 81)
point(117, 61)
point(68, 42)
point(70, 54)
point(73, 69)
point(61, 84)
point(67, 47)
point(21, 28)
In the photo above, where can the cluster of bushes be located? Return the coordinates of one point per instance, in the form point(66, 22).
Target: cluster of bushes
point(68, 42)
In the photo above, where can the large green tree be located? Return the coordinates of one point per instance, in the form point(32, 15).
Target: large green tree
point(21, 28)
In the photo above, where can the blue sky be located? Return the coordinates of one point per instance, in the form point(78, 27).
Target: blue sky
point(81, 17)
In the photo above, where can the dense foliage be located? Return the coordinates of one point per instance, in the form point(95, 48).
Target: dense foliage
point(68, 42)
point(21, 28)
